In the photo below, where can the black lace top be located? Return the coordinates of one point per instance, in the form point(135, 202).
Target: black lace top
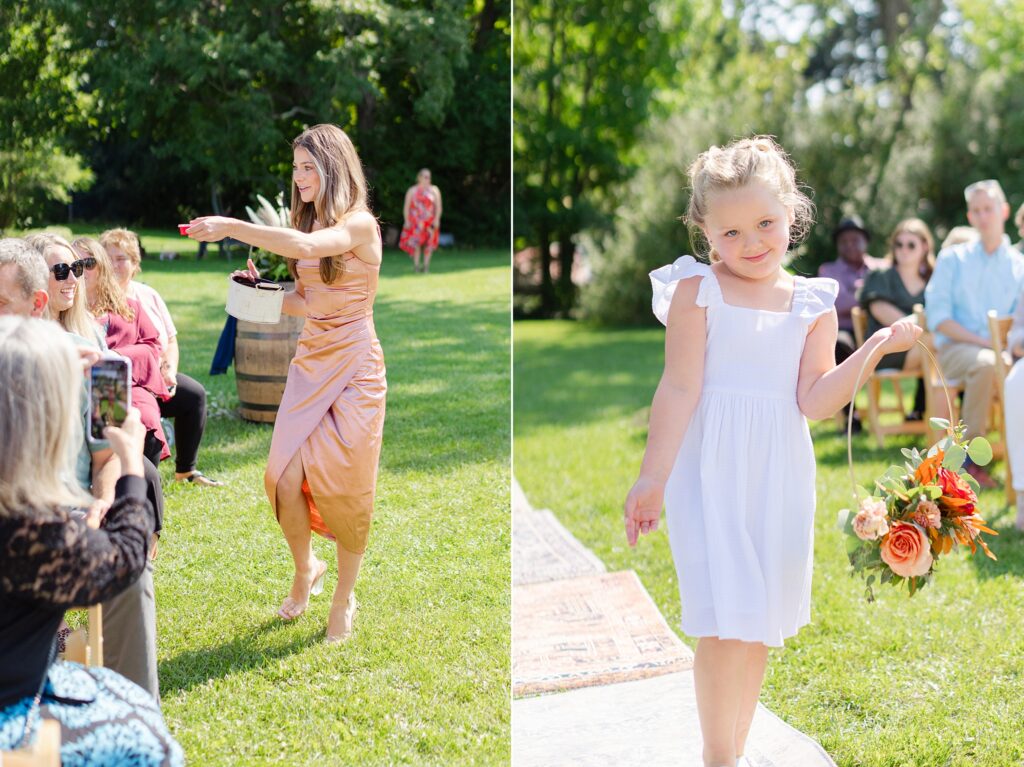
point(50, 561)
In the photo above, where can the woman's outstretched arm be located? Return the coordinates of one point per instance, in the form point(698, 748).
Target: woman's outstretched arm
point(359, 229)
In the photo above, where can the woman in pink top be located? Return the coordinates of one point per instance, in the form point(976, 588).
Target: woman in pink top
point(187, 402)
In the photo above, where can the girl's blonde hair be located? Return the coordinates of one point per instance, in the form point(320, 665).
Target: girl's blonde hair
point(342, 189)
point(75, 319)
point(40, 418)
point(127, 242)
point(741, 162)
point(105, 294)
point(918, 228)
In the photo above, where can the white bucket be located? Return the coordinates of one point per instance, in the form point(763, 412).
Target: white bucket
point(255, 303)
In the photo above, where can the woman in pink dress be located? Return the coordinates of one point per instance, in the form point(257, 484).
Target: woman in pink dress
point(322, 471)
point(422, 215)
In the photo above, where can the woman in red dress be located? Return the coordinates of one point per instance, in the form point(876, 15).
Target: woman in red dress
point(422, 214)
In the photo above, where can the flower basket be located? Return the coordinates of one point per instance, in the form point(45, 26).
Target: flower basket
point(917, 512)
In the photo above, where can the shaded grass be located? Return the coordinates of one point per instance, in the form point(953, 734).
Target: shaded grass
point(425, 676)
point(933, 680)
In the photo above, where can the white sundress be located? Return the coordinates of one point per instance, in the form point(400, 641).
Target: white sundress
point(740, 498)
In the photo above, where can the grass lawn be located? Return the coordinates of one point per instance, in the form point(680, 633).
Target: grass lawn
point(425, 676)
point(933, 681)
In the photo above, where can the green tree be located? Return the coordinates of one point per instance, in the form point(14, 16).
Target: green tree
point(41, 97)
point(586, 76)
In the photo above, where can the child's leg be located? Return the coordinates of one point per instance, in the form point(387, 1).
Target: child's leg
point(720, 672)
point(757, 660)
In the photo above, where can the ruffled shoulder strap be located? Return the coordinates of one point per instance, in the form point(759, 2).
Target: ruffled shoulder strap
point(665, 279)
point(814, 296)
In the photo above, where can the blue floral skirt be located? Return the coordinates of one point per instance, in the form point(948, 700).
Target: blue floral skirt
point(104, 720)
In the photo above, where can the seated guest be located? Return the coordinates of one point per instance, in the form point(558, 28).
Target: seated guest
point(187, 405)
point(54, 561)
point(970, 280)
point(129, 331)
point(129, 617)
point(851, 241)
point(849, 270)
point(67, 303)
point(890, 293)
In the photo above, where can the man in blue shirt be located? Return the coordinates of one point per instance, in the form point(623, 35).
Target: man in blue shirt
point(968, 281)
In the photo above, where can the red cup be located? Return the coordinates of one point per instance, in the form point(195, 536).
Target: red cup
point(182, 229)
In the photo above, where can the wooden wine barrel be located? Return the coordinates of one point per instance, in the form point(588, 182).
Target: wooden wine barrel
point(262, 355)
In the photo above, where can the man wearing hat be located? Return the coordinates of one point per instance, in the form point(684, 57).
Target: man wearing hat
point(851, 241)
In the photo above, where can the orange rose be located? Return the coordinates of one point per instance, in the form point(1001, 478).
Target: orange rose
point(906, 550)
point(956, 493)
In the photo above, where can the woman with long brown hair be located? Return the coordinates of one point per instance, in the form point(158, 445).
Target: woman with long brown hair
point(130, 332)
point(322, 471)
point(890, 294)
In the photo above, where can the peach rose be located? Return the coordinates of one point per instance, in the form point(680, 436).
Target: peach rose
point(870, 523)
point(906, 550)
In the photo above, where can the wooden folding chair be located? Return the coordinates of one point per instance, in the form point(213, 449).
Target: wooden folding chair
point(999, 328)
point(85, 645)
point(874, 388)
point(935, 399)
point(45, 752)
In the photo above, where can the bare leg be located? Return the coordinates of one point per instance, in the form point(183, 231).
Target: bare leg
point(719, 676)
point(416, 260)
point(427, 253)
point(757, 660)
point(339, 624)
point(293, 516)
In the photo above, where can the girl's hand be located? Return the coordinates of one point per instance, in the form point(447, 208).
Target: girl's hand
point(127, 442)
point(209, 228)
point(252, 273)
point(900, 336)
point(643, 508)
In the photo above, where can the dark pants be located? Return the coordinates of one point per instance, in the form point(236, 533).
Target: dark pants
point(188, 409)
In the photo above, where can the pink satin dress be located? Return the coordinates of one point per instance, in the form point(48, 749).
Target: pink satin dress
point(332, 411)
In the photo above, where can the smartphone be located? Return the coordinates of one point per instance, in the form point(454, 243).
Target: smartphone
point(110, 394)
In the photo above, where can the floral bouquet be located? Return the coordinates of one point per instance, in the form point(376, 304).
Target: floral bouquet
point(919, 512)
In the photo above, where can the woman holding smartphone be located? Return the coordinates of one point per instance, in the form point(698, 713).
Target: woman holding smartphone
point(322, 471)
point(54, 561)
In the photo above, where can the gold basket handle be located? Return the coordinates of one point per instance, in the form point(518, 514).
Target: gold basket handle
point(858, 383)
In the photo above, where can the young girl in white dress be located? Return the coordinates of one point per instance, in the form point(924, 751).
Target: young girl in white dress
point(749, 356)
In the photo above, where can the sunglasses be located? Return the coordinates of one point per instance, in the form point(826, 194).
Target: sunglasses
point(62, 270)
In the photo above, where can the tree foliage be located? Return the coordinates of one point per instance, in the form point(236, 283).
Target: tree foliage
point(586, 75)
point(40, 98)
point(888, 108)
point(196, 103)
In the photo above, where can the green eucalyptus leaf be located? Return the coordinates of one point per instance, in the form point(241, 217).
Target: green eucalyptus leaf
point(970, 481)
point(954, 458)
point(853, 544)
point(939, 423)
point(980, 451)
point(844, 520)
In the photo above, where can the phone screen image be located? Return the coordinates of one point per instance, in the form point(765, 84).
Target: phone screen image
point(110, 395)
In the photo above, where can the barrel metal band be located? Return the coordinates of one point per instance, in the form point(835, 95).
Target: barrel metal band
point(257, 406)
point(259, 378)
point(268, 336)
